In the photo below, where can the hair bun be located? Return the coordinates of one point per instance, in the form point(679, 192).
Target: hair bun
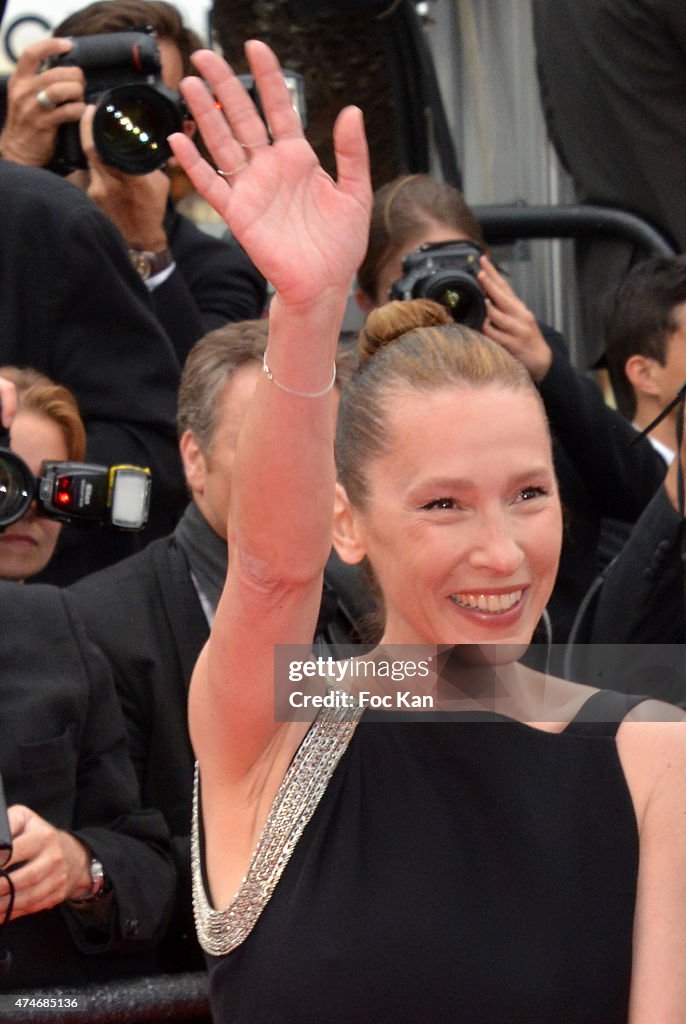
point(390, 321)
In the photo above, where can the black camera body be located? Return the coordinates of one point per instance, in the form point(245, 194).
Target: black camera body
point(135, 111)
point(447, 273)
point(74, 491)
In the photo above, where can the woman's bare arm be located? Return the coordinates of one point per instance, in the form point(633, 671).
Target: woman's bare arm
point(307, 235)
point(652, 744)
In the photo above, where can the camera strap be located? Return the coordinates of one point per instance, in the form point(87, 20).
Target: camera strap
point(678, 401)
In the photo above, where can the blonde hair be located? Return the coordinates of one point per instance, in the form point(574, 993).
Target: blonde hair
point(38, 394)
point(412, 346)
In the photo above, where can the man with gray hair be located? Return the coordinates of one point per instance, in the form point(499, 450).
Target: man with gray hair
point(151, 613)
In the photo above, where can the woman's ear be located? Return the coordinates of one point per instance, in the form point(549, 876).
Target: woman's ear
point(347, 534)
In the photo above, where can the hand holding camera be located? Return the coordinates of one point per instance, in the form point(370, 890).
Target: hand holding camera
point(39, 101)
point(48, 865)
point(68, 491)
point(461, 277)
point(121, 74)
point(136, 204)
point(510, 322)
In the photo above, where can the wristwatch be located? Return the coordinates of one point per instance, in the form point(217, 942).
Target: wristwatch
point(150, 263)
point(98, 882)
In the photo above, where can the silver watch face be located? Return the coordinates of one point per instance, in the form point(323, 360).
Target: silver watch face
point(97, 876)
point(141, 262)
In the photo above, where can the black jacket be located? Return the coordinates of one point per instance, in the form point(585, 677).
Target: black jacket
point(144, 613)
point(64, 755)
point(631, 627)
point(73, 307)
point(214, 282)
point(600, 473)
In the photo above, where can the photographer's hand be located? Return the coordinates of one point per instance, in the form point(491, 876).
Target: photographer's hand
point(136, 204)
point(8, 402)
point(512, 324)
point(52, 866)
point(38, 102)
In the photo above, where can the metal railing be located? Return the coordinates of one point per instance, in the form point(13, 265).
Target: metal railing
point(504, 223)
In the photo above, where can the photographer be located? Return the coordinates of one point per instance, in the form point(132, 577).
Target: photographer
point(80, 841)
point(196, 282)
point(47, 426)
point(600, 473)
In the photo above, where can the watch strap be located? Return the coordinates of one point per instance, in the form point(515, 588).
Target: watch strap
point(148, 264)
point(99, 884)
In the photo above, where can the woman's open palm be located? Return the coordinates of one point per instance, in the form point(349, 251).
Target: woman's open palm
point(302, 230)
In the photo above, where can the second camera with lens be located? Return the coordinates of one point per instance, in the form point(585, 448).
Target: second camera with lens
point(447, 273)
point(73, 491)
point(134, 110)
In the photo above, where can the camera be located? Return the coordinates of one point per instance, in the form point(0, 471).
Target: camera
point(445, 272)
point(74, 491)
point(134, 110)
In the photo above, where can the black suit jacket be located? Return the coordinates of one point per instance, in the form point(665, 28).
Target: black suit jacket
point(601, 471)
point(73, 307)
point(64, 755)
point(144, 613)
point(214, 282)
point(630, 633)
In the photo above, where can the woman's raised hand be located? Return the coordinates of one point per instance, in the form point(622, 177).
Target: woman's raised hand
point(304, 232)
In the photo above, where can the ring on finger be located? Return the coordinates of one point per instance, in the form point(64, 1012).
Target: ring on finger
point(44, 100)
point(234, 170)
point(255, 145)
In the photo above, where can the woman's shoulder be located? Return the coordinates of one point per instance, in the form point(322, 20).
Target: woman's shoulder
point(652, 748)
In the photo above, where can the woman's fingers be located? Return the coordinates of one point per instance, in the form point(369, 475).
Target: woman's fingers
point(211, 116)
point(204, 177)
point(352, 154)
point(277, 102)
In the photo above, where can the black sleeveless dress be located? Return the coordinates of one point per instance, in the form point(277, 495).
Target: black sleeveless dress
point(469, 869)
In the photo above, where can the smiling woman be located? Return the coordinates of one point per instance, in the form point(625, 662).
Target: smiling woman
point(479, 537)
point(47, 427)
point(518, 857)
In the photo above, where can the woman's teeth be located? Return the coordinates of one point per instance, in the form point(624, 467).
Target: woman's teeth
point(494, 604)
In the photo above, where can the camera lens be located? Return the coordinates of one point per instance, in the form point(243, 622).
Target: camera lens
point(16, 488)
point(461, 295)
point(131, 126)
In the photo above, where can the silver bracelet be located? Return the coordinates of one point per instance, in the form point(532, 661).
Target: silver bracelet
point(292, 391)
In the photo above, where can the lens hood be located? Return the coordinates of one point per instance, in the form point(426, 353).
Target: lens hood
point(131, 125)
point(17, 487)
